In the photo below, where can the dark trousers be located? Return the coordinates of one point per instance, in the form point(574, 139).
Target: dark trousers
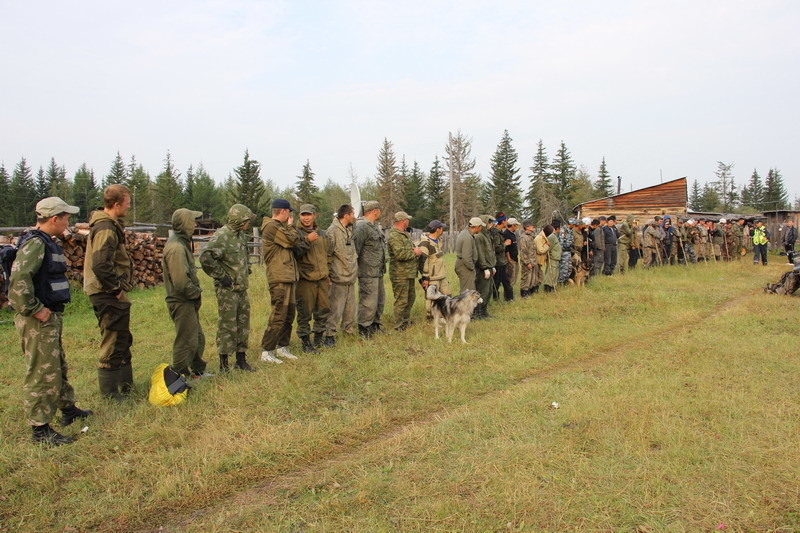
point(609, 259)
point(312, 302)
point(760, 251)
point(501, 279)
point(279, 327)
point(114, 319)
point(633, 257)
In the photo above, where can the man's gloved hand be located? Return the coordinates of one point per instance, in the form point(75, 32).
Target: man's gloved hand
point(494, 271)
point(487, 273)
point(226, 282)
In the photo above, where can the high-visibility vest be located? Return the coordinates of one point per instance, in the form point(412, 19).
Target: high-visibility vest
point(760, 235)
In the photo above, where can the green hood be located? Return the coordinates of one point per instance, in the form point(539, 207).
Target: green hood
point(238, 216)
point(183, 221)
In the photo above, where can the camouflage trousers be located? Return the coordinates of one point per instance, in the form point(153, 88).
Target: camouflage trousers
point(527, 276)
point(282, 298)
point(190, 343)
point(688, 250)
point(404, 296)
point(371, 300)
point(312, 302)
point(443, 287)
point(46, 387)
point(114, 318)
point(564, 267)
point(233, 322)
point(466, 277)
point(342, 303)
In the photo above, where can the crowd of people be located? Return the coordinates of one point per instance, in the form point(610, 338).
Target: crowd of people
point(312, 275)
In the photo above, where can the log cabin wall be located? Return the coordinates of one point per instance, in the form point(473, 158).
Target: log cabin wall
point(670, 198)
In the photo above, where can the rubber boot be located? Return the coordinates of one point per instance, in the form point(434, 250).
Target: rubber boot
point(307, 346)
point(126, 379)
point(47, 435)
point(376, 328)
point(72, 413)
point(486, 311)
point(108, 379)
point(365, 332)
point(330, 341)
point(223, 364)
point(241, 363)
point(319, 340)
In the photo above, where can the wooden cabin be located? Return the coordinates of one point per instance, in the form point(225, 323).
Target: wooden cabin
point(668, 198)
point(775, 222)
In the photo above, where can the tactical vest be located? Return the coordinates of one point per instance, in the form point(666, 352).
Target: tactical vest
point(50, 283)
point(760, 236)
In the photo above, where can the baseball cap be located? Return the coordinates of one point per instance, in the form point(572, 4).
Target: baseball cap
point(307, 208)
point(52, 206)
point(513, 222)
point(371, 206)
point(436, 224)
point(401, 215)
point(280, 203)
point(475, 222)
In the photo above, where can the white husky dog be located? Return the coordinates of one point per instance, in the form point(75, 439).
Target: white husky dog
point(455, 312)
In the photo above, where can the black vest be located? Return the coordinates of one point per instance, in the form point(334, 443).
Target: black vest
point(50, 283)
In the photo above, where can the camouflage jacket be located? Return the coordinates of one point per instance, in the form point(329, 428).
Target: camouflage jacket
point(431, 264)
point(486, 257)
point(107, 267)
point(180, 272)
point(625, 234)
point(226, 252)
point(312, 257)
point(342, 258)
point(527, 249)
point(402, 259)
point(651, 239)
point(566, 239)
point(369, 241)
point(21, 290)
point(278, 241)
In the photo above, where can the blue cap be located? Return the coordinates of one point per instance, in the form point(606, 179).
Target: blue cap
point(280, 203)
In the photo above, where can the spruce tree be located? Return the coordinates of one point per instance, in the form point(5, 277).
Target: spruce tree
point(22, 195)
point(188, 188)
point(141, 187)
point(725, 186)
point(775, 195)
point(204, 192)
point(386, 180)
point(753, 192)
point(117, 173)
point(709, 199)
point(168, 191)
point(465, 184)
point(695, 203)
point(435, 187)
point(42, 186)
point(5, 197)
point(57, 183)
point(603, 186)
point(85, 193)
point(247, 188)
point(539, 187)
point(415, 197)
point(503, 187)
point(563, 173)
point(332, 195)
point(305, 190)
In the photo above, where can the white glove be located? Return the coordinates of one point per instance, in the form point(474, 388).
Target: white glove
point(486, 274)
point(494, 271)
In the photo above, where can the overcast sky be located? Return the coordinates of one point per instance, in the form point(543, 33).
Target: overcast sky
point(665, 88)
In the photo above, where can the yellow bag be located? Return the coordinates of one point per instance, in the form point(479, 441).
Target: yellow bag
point(167, 387)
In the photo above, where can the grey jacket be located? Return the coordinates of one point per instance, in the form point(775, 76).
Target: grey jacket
point(371, 249)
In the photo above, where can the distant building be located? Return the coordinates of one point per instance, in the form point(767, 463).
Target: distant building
point(668, 198)
point(775, 222)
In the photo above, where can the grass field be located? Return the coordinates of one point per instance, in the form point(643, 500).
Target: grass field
point(679, 410)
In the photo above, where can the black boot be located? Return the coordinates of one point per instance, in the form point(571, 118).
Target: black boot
point(108, 379)
point(126, 379)
point(477, 314)
point(486, 311)
point(223, 364)
point(47, 435)
point(241, 363)
point(376, 328)
point(307, 346)
point(72, 413)
point(330, 341)
point(534, 290)
point(365, 332)
point(319, 340)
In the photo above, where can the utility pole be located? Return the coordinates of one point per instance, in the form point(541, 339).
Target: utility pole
point(452, 212)
point(134, 204)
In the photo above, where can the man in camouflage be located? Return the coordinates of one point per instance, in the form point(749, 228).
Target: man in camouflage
point(527, 259)
point(650, 242)
point(226, 260)
point(312, 287)
point(431, 263)
point(279, 239)
point(484, 266)
point(467, 254)
point(370, 248)
point(343, 268)
point(566, 239)
point(38, 291)
point(107, 278)
point(184, 295)
point(691, 236)
point(623, 243)
point(403, 266)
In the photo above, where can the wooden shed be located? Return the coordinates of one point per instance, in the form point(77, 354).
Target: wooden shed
point(775, 221)
point(668, 198)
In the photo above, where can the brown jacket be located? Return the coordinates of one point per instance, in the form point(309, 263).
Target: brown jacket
point(277, 241)
point(107, 267)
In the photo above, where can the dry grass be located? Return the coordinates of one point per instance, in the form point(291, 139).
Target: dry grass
point(678, 395)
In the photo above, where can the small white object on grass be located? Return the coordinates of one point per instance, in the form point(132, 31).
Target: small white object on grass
point(554, 405)
point(85, 429)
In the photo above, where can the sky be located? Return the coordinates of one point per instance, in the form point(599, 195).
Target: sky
point(661, 90)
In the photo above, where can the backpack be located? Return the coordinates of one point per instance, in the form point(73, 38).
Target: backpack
point(167, 387)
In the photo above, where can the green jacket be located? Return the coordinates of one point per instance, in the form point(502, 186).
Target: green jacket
point(486, 257)
point(499, 247)
point(402, 259)
point(466, 249)
point(312, 257)
point(342, 258)
point(625, 234)
point(369, 241)
point(278, 240)
point(180, 272)
point(226, 252)
point(107, 267)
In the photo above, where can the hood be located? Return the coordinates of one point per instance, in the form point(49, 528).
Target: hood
point(100, 215)
point(238, 216)
point(183, 222)
point(629, 219)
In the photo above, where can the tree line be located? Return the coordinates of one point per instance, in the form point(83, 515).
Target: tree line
point(551, 188)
